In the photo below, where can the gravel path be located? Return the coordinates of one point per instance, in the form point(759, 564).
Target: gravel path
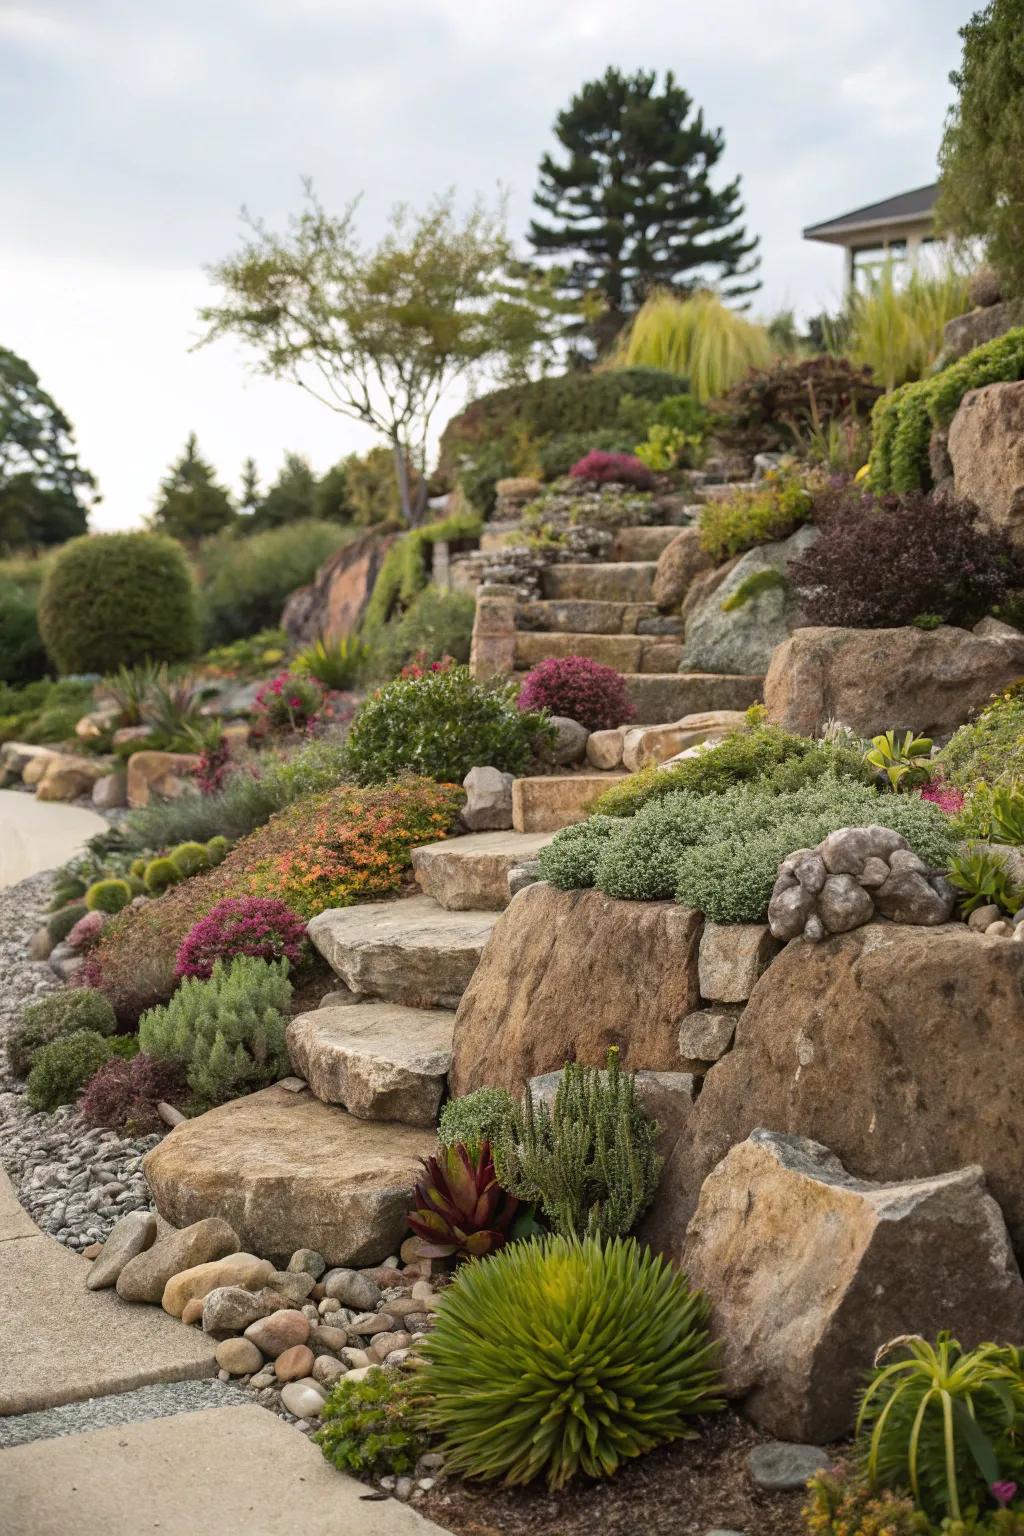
point(156, 1402)
point(74, 1183)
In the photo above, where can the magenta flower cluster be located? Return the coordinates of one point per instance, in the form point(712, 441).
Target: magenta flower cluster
point(87, 930)
point(585, 690)
point(948, 799)
point(600, 468)
point(244, 925)
point(288, 702)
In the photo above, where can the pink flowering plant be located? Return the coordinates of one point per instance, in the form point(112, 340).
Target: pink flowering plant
point(288, 702)
point(947, 797)
point(244, 925)
point(87, 930)
point(585, 690)
point(601, 468)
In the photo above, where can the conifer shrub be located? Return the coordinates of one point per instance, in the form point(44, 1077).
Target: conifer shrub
point(227, 1033)
point(247, 925)
point(59, 1013)
point(610, 1340)
point(108, 896)
point(114, 599)
point(582, 689)
point(122, 1095)
point(61, 1068)
point(475, 1117)
point(590, 1161)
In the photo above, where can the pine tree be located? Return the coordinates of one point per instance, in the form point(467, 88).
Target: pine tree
point(191, 503)
point(291, 498)
point(250, 494)
point(632, 208)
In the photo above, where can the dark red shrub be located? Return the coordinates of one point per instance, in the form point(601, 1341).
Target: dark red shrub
point(885, 561)
point(245, 925)
point(124, 1094)
point(585, 690)
point(600, 468)
point(778, 407)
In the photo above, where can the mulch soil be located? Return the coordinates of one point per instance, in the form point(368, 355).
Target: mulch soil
point(688, 1489)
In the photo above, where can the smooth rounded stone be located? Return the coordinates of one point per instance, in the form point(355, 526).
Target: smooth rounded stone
point(403, 1489)
point(304, 1398)
point(263, 1378)
point(1000, 930)
point(488, 806)
point(363, 1371)
point(193, 1310)
point(132, 1235)
point(417, 1321)
point(355, 1359)
point(371, 1322)
point(294, 1285)
point(278, 1332)
point(294, 1363)
point(307, 1261)
point(334, 1339)
point(328, 1305)
point(983, 917)
point(328, 1371)
point(231, 1309)
point(385, 1276)
point(778, 1465)
point(145, 1277)
point(522, 875)
point(238, 1356)
point(568, 745)
point(310, 1312)
point(352, 1289)
point(384, 1344)
point(843, 904)
point(845, 851)
point(237, 1269)
point(396, 1358)
point(874, 873)
point(423, 1291)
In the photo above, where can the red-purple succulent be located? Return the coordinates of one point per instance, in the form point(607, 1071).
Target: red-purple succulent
point(461, 1209)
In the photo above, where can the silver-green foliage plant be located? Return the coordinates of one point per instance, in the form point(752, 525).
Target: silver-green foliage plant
point(570, 860)
point(475, 1117)
point(558, 1357)
point(227, 1032)
point(590, 1162)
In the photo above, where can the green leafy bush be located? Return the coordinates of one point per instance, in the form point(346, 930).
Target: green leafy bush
point(560, 453)
point(991, 747)
point(441, 725)
point(944, 1422)
point(778, 407)
point(435, 625)
point(902, 422)
point(475, 1117)
point(108, 896)
point(22, 653)
point(245, 580)
point(160, 874)
point(545, 1394)
point(370, 1428)
point(44, 711)
point(228, 1033)
point(570, 861)
point(769, 511)
point(60, 1013)
point(405, 569)
point(189, 858)
point(983, 880)
point(114, 599)
point(994, 814)
point(590, 1161)
point(62, 1068)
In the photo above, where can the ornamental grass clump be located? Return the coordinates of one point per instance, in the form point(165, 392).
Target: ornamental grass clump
point(247, 925)
point(227, 1033)
point(583, 690)
point(590, 1161)
point(558, 1357)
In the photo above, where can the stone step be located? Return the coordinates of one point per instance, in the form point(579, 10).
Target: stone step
point(622, 581)
point(661, 697)
point(409, 951)
point(642, 544)
point(627, 653)
point(558, 800)
point(577, 616)
point(467, 874)
point(380, 1061)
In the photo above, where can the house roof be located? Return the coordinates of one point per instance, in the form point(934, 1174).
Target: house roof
point(914, 207)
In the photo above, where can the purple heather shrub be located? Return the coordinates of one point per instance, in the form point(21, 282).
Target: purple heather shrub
point(124, 1094)
point(245, 925)
point(87, 930)
point(600, 468)
point(585, 690)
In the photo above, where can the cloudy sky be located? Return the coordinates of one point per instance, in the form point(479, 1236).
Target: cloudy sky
point(132, 132)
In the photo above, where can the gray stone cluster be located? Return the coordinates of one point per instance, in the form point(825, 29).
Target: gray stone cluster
point(521, 565)
point(852, 876)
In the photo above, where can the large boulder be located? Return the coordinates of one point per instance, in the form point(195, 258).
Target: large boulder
point(743, 638)
point(965, 332)
point(900, 1048)
point(565, 975)
point(67, 777)
point(876, 679)
point(335, 602)
point(288, 1172)
point(678, 563)
point(986, 447)
point(159, 776)
point(810, 1271)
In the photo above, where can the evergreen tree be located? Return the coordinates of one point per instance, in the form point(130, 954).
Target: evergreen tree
point(632, 207)
point(291, 498)
point(44, 491)
point(191, 503)
point(330, 500)
point(250, 494)
point(982, 156)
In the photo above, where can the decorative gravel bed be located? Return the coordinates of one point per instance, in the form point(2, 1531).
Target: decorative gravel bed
point(75, 1183)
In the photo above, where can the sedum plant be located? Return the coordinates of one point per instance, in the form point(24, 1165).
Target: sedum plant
point(983, 880)
point(590, 1162)
point(903, 763)
point(227, 1032)
point(558, 1357)
point(461, 1210)
point(475, 1117)
point(370, 1429)
point(945, 1422)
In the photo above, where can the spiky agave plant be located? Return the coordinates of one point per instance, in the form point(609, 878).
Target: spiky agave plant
point(946, 1422)
point(557, 1356)
point(460, 1206)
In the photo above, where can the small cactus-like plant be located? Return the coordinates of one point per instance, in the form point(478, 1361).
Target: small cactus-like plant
point(602, 1354)
point(189, 858)
point(590, 1162)
point(161, 874)
point(982, 880)
point(461, 1209)
point(108, 896)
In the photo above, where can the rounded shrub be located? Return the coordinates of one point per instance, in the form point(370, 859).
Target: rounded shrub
point(61, 1068)
point(161, 874)
point(60, 923)
point(602, 1354)
point(246, 925)
point(87, 930)
point(61, 1013)
point(124, 1094)
point(189, 858)
point(601, 468)
point(474, 1118)
point(585, 690)
point(108, 896)
point(441, 725)
point(114, 599)
point(22, 654)
point(217, 850)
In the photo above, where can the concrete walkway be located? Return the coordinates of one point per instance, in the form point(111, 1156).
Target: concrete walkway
point(40, 834)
